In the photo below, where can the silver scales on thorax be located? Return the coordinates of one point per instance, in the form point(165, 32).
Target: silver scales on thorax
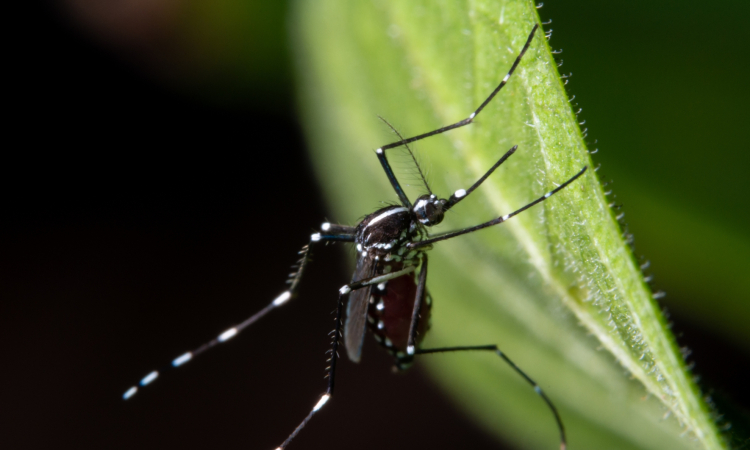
point(381, 240)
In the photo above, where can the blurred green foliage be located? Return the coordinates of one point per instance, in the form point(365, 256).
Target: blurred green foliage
point(237, 50)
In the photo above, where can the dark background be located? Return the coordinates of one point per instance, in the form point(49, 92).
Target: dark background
point(146, 207)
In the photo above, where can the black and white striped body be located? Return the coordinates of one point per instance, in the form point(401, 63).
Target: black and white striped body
point(389, 315)
point(381, 241)
point(383, 235)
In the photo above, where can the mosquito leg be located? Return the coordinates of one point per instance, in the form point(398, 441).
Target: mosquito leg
point(415, 315)
point(381, 151)
point(343, 293)
point(537, 389)
point(376, 279)
point(463, 193)
point(499, 220)
point(329, 232)
point(392, 178)
point(333, 232)
point(389, 171)
point(331, 371)
point(471, 117)
point(411, 153)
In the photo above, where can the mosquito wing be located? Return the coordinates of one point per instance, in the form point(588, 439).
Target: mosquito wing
point(356, 310)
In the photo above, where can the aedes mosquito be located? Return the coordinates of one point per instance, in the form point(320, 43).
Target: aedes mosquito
point(388, 292)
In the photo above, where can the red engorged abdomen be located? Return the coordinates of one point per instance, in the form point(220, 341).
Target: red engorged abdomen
point(395, 315)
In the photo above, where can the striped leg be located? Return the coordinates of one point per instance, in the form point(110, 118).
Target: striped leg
point(343, 294)
point(329, 232)
point(451, 234)
point(537, 389)
point(473, 115)
point(381, 151)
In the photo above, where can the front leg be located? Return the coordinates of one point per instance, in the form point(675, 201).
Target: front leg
point(329, 233)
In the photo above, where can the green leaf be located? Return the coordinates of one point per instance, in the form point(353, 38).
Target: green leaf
point(556, 288)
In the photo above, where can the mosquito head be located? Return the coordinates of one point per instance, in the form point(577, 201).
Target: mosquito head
point(429, 210)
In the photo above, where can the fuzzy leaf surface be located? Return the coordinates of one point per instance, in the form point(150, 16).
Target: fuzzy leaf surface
point(557, 288)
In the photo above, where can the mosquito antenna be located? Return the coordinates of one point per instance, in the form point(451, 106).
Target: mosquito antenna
point(414, 158)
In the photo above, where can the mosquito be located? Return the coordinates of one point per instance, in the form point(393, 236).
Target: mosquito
point(388, 292)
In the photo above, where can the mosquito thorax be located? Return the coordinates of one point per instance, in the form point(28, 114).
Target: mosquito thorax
point(429, 210)
point(386, 231)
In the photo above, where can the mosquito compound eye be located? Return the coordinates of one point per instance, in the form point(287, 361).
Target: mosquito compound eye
point(428, 210)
